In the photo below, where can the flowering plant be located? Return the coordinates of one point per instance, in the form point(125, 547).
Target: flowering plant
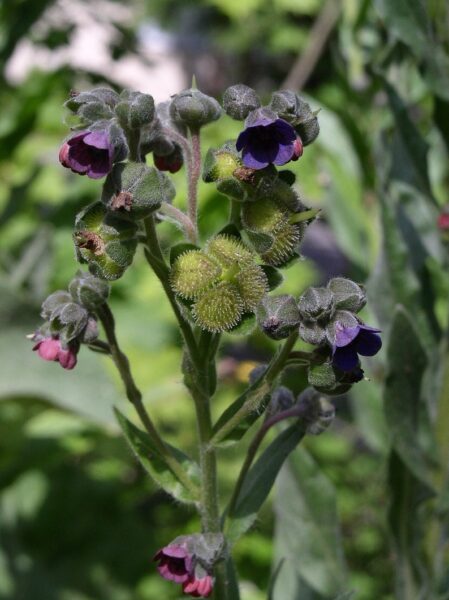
point(214, 286)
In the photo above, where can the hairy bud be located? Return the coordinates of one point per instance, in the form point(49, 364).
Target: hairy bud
point(239, 100)
point(278, 316)
point(194, 109)
point(296, 111)
point(135, 109)
point(317, 304)
point(347, 294)
point(89, 291)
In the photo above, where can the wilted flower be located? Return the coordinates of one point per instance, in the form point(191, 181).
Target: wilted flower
point(88, 153)
point(267, 140)
point(352, 341)
point(50, 348)
point(169, 162)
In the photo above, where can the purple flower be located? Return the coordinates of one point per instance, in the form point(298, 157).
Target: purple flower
point(199, 587)
point(88, 153)
point(50, 348)
point(352, 341)
point(266, 140)
point(175, 562)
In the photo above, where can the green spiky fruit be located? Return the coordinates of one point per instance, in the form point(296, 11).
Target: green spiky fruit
point(262, 216)
point(228, 250)
point(192, 273)
point(285, 243)
point(219, 309)
point(252, 285)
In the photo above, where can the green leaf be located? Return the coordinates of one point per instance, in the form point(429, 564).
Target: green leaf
point(274, 276)
point(260, 479)
point(153, 462)
point(253, 401)
point(405, 410)
point(406, 525)
point(307, 532)
point(231, 230)
point(409, 22)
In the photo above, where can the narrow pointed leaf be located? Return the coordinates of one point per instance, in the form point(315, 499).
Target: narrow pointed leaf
point(152, 461)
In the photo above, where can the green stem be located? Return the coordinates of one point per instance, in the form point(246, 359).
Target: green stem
point(210, 512)
point(180, 218)
point(135, 397)
point(267, 380)
point(156, 260)
point(133, 136)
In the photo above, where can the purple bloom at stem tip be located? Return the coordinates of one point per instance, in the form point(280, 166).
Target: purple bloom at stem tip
point(352, 341)
point(267, 141)
point(88, 153)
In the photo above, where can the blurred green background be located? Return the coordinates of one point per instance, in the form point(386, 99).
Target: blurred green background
point(79, 520)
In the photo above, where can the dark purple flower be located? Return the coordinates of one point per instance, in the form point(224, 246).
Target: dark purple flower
point(267, 140)
point(199, 587)
point(352, 341)
point(88, 153)
point(175, 562)
point(50, 348)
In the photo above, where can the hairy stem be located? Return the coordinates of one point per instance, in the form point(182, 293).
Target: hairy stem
point(135, 397)
point(193, 177)
point(156, 260)
point(274, 369)
point(180, 218)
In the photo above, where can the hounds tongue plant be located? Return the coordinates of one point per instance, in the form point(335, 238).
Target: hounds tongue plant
point(215, 285)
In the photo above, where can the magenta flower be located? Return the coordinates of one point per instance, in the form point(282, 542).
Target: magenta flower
point(199, 587)
point(88, 153)
point(267, 140)
point(175, 563)
point(352, 341)
point(50, 348)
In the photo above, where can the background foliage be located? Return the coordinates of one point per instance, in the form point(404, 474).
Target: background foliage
point(363, 508)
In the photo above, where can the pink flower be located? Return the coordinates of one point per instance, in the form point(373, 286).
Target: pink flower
point(199, 588)
point(175, 563)
point(50, 348)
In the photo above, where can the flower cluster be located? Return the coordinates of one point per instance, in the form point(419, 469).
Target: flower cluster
point(69, 320)
point(188, 560)
point(328, 319)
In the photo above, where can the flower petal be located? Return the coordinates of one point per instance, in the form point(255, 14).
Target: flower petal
point(345, 358)
point(368, 343)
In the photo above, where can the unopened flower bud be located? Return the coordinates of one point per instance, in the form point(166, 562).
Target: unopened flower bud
point(239, 100)
point(347, 294)
point(194, 109)
point(98, 96)
point(278, 316)
point(171, 162)
point(296, 111)
point(281, 399)
point(104, 241)
point(135, 109)
point(89, 291)
point(443, 220)
point(53, 302)
point(135, 190)
point(316, 304)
